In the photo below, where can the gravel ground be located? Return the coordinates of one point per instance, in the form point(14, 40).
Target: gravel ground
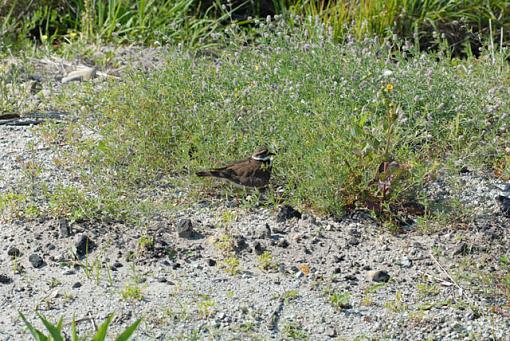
point(202, 272)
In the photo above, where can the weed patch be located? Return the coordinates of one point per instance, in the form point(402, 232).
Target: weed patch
point(350, 131)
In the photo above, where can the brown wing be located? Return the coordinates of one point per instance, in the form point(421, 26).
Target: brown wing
point(248, 172)
point(251, 173)
point(232, 170)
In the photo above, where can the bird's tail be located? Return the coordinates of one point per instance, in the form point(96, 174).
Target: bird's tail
point(206, 173)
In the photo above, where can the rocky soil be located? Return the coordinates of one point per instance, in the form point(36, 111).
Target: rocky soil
point(214, 270)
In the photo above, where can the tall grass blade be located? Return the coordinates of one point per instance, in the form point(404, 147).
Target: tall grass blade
point(37, 334)
point(126, 334)
point(103, 329)
point(54, 330)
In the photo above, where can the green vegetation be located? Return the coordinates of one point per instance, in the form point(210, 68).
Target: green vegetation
point(266, 261)
point(290, 295)
point(365, 123)
point(353, 125)
point(132, 292)
point(196, 23)
point(231, 265)
point(294, 331)
point(359, 124)
point(340, 300)
point(205, 307)
point(397, 305)
point(55, 330)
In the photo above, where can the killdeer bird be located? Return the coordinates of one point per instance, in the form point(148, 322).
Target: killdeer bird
point(255, 171)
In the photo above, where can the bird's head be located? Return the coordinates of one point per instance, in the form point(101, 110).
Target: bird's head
point(262, 154)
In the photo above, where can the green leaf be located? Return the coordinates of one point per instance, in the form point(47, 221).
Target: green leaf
point(37, 334)
point(101, 332)
point(53, 329)
point(74, 334)
point(126, 334)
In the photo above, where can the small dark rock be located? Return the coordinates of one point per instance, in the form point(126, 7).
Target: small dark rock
point(504, 203)
point(355, 233)
point(36, 260)
point(4, 279)
point(338, 258)
point(14, 252)
point(379, 276)
point(241, 244)
point(286, 213)
point(83, 244)
point(473, 315)
point(337, 270)
point(462, 249)
point(293, 269)
point(283, 243)
point(211, 262)
point(350, 278)
point(50, 246)
point(259, 249)
point(464, 170)
point(366, 267)
point(76, 285)
point(184, 228)
point(64, 229)
point(162, 279)
point(176, 266)
point(261, 232)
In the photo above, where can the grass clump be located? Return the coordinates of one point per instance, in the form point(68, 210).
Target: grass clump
point(266, 261)
point(294, 331)
point(340, 300)
point(231, 265)
point(198, 24)
point(118, 21)
point(55, 330)
point(132, 292)
point(355, 125)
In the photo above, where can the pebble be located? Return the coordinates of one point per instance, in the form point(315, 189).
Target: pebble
point(406, 263)
point(82, 74)
point(379, 276)
point(63, 228)
point(36, 260)
point(287, 212)
point(4, 279)
point(14, 252)
point(83, 245)
point(184, 229)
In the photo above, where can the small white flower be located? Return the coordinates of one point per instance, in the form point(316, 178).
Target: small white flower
point(387, 73)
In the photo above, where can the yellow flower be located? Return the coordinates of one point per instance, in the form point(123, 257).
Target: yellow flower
point(257, 67)
point(72, 34)
point(389, 87)
point(44, 37)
